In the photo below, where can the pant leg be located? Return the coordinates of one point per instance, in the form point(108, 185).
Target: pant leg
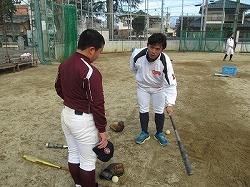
point(143, 100)
point(144, 105)
point(159, 107)
point(81, 136)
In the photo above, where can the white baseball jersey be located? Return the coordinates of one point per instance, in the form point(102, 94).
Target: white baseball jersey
point(230, 46)
point(150, 75)
point(230, 42)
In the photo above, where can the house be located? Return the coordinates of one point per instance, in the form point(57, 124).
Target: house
point(222, 15)
point(18, 26)
point(22, 10)
point(154, 25)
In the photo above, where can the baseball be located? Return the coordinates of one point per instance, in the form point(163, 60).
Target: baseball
point(115, 179)
point(167, 132)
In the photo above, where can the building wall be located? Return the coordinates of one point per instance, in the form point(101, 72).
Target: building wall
point(126, 46)
point(22, 10)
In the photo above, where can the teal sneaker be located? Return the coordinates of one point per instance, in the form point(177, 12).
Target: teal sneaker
point(142, 138)
point(161, 139)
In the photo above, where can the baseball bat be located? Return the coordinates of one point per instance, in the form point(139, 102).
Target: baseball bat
point(56, 145)
point(43, 162)
point(184, 154)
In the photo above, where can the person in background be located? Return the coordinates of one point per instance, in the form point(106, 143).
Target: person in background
point(229, 47)
point(83, 119)
point(155, 79)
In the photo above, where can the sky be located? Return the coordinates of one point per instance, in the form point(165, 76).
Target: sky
point(174, 7)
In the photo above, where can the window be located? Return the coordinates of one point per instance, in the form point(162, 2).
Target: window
point(215, 16)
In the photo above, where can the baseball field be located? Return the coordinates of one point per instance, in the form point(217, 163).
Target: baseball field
point(212, 116)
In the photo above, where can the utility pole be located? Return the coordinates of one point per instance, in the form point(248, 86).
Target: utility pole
point(222, 20)
point(130, 20)
point(92, 19)
point(182, 16)
point(223, 16)
point(147, 21)
point(112, 19)
point(4, 28)
point(205, 17)
point(202, 15)
point(162, 14)
point(236, 18)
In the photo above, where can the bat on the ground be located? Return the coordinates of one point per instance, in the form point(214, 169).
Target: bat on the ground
point(56, 145)
point(184, 154)
point(43, 162)
point(221, 75)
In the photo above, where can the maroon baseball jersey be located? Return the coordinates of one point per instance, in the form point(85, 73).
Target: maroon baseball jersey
point(79, 84)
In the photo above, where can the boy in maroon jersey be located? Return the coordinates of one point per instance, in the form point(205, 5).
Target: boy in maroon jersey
point(83, 119)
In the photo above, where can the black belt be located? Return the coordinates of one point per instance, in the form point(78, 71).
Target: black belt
point(77, 112)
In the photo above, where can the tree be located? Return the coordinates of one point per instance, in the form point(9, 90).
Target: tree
point(106, 6)
point(7, 10)
point(138, 23)
point(186, 25)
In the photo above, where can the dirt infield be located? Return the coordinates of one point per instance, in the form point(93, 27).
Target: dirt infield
point(211, 114)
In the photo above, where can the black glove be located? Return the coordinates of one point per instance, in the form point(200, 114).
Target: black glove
point(114, 169)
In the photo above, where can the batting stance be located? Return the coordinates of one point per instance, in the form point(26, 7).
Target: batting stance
point(83, 119)
point(155, 79)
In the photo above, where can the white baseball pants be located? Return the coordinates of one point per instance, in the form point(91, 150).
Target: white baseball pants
point(81, 136)
point(144, 97)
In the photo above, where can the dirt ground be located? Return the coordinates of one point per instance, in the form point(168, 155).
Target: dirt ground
point(211, 115)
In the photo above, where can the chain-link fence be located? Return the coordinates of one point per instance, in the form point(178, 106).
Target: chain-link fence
point(58, 26)
point(212, 41)
point(55, 30)
point(66, 31)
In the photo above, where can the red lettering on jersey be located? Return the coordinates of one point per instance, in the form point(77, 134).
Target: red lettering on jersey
point(173, 76)
point(156, 72)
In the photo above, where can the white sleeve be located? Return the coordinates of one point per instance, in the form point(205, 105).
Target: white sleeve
point(170, 88)
point(228, 42)
point(132, 63)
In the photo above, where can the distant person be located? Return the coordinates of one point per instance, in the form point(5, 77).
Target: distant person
point(229, 47)
point(83, 119)
point(155, 79)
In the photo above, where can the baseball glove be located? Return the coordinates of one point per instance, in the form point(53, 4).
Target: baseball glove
point(117, 126)
point(114, 169)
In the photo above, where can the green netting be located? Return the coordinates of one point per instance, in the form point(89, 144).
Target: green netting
point(37, 35)
point(211, 41)
point(244, 41)
point(70, 37)
point(66, 31)
point(57, 38)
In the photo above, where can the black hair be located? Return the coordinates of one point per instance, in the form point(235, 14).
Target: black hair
point(90, 38)
point(158, 38)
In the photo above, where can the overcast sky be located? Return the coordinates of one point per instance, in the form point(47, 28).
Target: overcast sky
point(174, 7)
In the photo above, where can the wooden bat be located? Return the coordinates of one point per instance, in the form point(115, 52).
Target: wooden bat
point(43, 162)
point(56, 145)
point(184, 154)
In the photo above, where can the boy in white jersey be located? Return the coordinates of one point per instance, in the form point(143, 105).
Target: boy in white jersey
point(155, 78)
point(229, 47)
